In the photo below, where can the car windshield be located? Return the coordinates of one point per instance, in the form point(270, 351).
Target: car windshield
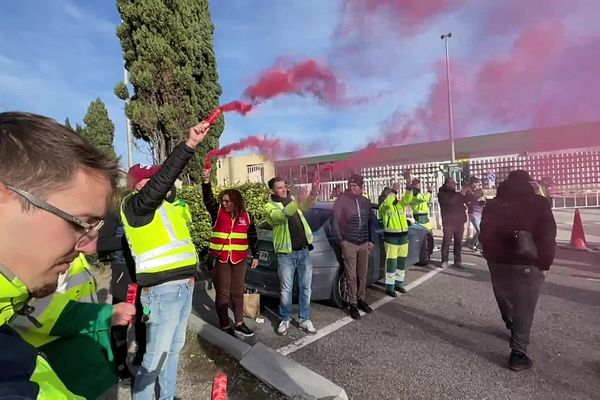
point(316, 218)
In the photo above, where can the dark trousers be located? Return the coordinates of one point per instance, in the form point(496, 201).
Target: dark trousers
point(230, 283)
point(356, 266)
point(517, 289)
point(453, 230)
point(122, 276)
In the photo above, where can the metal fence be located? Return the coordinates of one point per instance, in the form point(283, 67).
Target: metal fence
point(374, 186)
point(588, 199)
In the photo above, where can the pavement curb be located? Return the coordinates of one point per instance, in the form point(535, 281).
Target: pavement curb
point(282, 373)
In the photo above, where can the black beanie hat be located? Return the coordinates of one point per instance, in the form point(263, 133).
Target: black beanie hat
point(354, 178)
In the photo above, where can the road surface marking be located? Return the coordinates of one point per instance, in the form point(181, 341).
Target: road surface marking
point(593, 279)
point(306, 340)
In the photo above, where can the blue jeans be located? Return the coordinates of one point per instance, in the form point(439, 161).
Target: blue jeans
point(170, 306)
point(288, 265)
point(475, 219)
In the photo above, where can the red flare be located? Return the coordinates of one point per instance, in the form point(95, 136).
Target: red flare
point(132, 294)
point(214, 116)
point(219, 387)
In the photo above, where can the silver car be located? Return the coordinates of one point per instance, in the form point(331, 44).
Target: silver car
point(329, 282)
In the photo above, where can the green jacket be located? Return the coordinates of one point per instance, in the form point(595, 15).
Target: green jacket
point(277, 216)
point(24, 373)
point(393, 214)
point(420, 203)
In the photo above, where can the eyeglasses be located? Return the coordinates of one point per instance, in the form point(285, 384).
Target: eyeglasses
point(89, 232)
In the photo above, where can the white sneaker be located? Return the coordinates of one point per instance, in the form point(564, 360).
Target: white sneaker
point(283, 328)
point(445, 264)
point(307, 327)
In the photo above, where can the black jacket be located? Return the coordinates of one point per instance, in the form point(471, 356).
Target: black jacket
point(353, 219)
point(452, 206)
point(517, 208)
point(112, 243)
point(139, 208)
point(212, 206)
point(18, 360)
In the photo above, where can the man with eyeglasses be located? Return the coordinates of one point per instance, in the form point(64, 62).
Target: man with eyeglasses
point(71, 322)
point(157, 230)
point(54, 191)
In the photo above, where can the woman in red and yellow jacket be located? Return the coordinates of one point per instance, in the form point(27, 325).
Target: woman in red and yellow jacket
point(233, 235)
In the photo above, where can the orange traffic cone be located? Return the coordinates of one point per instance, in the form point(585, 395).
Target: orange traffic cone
point(577, 234)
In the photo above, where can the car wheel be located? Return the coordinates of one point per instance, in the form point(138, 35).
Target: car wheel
point(426, 250)
point(339, 293)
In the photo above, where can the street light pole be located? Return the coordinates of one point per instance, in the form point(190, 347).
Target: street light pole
point(129, 135)
point(445, 38)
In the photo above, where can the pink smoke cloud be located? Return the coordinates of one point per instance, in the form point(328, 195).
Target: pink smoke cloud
point(307, 77)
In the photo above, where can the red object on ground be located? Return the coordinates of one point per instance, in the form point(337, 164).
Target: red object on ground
point(212, 118)
point(132, 294)
point(577, 234)
point(220, 387)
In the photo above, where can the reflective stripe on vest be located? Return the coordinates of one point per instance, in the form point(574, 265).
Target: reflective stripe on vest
point(229, 238)
point(78, 285)
point(164, 243)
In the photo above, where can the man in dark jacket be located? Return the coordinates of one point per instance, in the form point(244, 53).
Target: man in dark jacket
point(354, 226)
point(112, 246)
point(454, 216)
point(165, 257)
point(517, 278)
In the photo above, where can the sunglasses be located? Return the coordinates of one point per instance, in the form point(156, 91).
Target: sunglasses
point(89, 232)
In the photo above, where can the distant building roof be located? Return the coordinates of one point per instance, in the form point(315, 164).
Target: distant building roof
point(581, 136)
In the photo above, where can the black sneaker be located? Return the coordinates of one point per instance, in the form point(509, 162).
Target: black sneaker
point(229, 331)
point(391, 292)
point(459, 265)
point(400, 289)
point(519, 361)
point(364, 306)
point(243, 330)
point(354, 311)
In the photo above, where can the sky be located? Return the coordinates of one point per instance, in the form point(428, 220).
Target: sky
point(515, 64)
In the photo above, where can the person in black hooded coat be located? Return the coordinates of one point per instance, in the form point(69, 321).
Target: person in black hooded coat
point(516, 278)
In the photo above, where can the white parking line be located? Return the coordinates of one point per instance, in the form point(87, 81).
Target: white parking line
point(469, 264)
point(306, 340)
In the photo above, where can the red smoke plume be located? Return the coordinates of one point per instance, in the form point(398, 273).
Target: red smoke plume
point(544, 79)
point(240, 107)
point(307, 77)
point(270, 148)
point(359, 17)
